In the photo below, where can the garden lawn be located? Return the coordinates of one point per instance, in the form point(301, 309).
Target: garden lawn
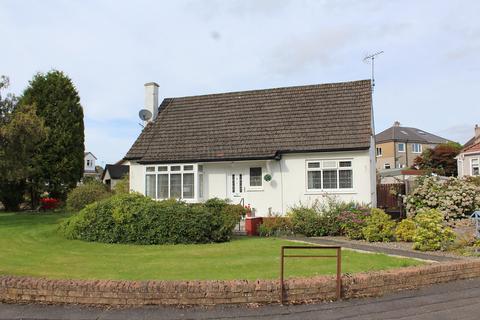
point(30, 245)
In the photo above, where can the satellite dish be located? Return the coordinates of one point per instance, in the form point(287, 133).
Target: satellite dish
point(145, 115)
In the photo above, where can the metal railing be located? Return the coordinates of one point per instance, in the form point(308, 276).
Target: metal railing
point(338, 256)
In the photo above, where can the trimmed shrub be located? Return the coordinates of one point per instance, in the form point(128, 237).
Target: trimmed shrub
point(274, 226)
point(379, 227)
point(134, 218)
point(87, 193)
point(353, 222)
point(405, 230)
point(431, 234)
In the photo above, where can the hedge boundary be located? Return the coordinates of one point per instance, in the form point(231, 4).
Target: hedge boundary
point(15, 289)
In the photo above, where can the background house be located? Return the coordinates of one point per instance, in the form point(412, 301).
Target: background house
point(268, 148)
point(468, 160)
point(90, 165)
point(113, 173)
point(397, 146)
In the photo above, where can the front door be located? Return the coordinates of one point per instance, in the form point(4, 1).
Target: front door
point(237, 185)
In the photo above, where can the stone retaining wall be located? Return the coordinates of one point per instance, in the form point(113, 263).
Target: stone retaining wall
point(123, 293)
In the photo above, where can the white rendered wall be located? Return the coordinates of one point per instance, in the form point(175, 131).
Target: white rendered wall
point(289, 172)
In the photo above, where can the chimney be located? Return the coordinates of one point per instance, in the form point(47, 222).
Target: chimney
point(396, 124)
point(151, 99)
point(477, 132)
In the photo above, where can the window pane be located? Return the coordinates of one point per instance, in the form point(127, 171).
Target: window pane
point(150, 169)
point(240, 182)
point(188, 186)
point(329, 164)
point(150, 185)
point(255, 177)
point(314, 165)
point(175, 168)
point(163, 168)
point(329, 179)
point(162, 186)
point(401, 147)
point(233, 183)
point(345, 179)
point(345, 164)
point(188, 167)
point(314, 179)
point(176, 186)
point(200, 185)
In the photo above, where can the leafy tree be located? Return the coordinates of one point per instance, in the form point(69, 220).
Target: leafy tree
point(60, 158)
point(21, 131)
point(440, 160)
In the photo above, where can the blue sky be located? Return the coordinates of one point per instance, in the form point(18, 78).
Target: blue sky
point(428, 76)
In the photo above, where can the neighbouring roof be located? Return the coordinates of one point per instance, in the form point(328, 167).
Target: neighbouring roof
point(472, 148)
point(85, 154)
point(404, 134)
point(258, 124)
point(116, 171)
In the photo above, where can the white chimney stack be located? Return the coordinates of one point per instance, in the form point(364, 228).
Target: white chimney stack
point(151, 99)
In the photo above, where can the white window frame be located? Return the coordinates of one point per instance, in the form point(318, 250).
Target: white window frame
point(476, 166)
point(419, 145)
point(250, 187)
point(401, 144)
point(156, 171)
point(387, 164)
point(322, 168)
point(378, 154)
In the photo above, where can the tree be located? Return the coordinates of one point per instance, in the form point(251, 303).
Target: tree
point(440, 160)
point(60, 158)
point(21, 132)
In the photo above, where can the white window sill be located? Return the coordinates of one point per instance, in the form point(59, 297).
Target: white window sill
point(254, 189)
point(332, 191)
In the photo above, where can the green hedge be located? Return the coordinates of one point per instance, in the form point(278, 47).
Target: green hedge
point(133, 218)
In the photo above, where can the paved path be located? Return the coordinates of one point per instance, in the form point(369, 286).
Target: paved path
point(454, 300)
point(371, 248)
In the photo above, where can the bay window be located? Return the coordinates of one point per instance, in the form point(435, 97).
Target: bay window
point(329, 175)
point(173, 181)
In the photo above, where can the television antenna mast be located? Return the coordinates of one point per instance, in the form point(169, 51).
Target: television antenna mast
point(372, 58)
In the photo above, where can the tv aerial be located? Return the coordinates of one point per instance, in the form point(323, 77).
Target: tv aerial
point(372, 58)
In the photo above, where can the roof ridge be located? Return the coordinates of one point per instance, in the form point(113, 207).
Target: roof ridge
point(307, 86)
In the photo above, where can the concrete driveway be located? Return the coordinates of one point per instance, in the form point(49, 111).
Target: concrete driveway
point(455, 300)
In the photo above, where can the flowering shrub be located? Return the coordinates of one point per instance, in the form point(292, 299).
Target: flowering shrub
point(352, 222)
point(379, 227)
point(454, 198)
point(405, 230)
point(431, 234)
point(49, 203)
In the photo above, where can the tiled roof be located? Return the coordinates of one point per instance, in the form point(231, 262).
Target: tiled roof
point(404, 134)
point(473, 148)
point(258, 124)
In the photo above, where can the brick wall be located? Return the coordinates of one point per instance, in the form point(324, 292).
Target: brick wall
point(121, 293)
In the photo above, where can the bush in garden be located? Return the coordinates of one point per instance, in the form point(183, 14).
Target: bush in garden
point(431, 234)
point(319, 218)
point(275, 226)
point(85, 194)
point(405, 230)
point(353, 222)
point(122, 186)
point(134, 218)
point(379, 227)
point(454, 198)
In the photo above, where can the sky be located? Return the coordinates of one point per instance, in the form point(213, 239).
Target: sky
point(427, 77)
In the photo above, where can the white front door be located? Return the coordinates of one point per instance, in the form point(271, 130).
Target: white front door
point(237, 185)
